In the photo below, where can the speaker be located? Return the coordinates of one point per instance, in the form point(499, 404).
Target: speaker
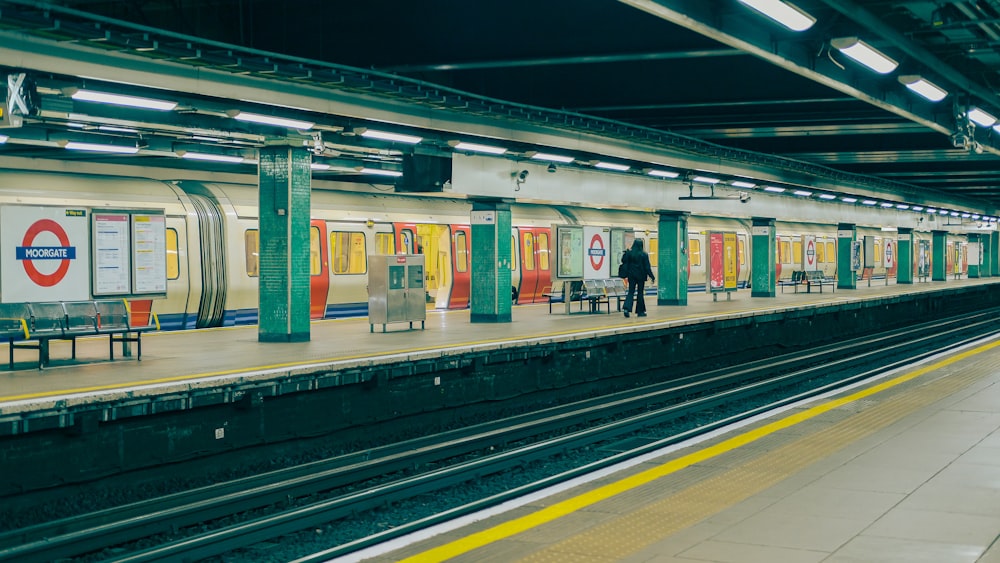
point(424, 173)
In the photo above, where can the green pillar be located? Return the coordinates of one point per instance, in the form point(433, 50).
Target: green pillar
point(672, 256)
point(974, 270)
point(847, 278)
point(986, 241)
point(995, 253)
point(491, 298)
point(763, 248)
point(904, 256)
point(939, 262)
point(285, 179)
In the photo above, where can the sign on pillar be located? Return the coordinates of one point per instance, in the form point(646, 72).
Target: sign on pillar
point(763, 269)
point(285, 178)
point(491, 254)
point(672, 259)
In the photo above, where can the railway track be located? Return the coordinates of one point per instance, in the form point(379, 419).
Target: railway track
point(267, 506)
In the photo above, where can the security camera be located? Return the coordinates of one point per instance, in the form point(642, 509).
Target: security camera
point(522, 176)
point(551, 168)
point(744, 197)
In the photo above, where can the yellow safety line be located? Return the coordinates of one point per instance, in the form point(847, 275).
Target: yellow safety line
point(560, 509)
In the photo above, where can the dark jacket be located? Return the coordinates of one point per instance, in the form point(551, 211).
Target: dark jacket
point(637, 265)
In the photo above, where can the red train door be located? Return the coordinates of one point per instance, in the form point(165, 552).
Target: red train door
point(461, 265)
point(542, 254)
point(526, 243)
point(319, 269)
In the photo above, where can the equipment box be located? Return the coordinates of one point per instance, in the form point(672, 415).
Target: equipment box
point(396, 290)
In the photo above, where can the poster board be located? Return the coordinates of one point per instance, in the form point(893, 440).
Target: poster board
point(569, 252)
point(130, 253)
point(723, 262)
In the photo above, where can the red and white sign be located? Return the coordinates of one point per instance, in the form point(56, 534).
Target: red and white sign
point(888, 255)
point(44, 254)
point(808, 253)
point(596, 244)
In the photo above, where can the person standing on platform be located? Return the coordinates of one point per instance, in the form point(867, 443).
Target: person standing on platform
point(637, 265)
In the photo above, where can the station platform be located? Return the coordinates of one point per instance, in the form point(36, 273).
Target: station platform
point(203, 361)
point(902, 469)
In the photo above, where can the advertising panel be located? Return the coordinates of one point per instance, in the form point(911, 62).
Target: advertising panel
point(924, 258)
point(569, 252)
point(730, 261)
point(716, 280)
point(869, 255)
point(45, 254)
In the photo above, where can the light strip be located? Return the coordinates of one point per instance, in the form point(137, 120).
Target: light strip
point(271, 120)
point(924, 87)
point(211, 157)
point(869, 202)
point(782, 12)
point(96, 147)
point(981, 117)
point(476, 147)
point(931, 210)
point(865, 54)
point(387, 136)
point(3, 139)
point(612, 166)
point(917, 208)
point(120, 100)
point(827, 196)
point(849, 199)
point(663, 173)
point(705, 180)
point(116, 129)
point(774, 189)
point(887, 204)
point(742, 184)
point(966, 215)
point(380, 172)
point(552, 157)
point(802, 193)
point(943, 211)
point(319, 166)
point(902, 206)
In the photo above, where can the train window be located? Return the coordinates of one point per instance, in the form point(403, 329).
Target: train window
point(741, 252)
point(796, 252)
point(831, 251)
point(785, 252)
point(461, 252)
point(543, 251)
point(513, 252)
point(654, 255)
point(315, 258)
point(878, 252)
point(347, 252)
point(695, 252)
point(408, 240)
point(528, 256)
point(820, 253)
point(173, 259)
point(385, 243)
point(251, 242)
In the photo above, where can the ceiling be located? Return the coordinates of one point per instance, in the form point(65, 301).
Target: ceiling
point(711, 70)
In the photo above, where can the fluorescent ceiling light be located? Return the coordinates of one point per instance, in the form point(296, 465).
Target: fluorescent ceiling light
point(120, 100)
point(552, 157)
point(705, 180)
point(612, 166)
point(319, 166)
point(802, 193)
point(943, 212)
point(827, 196)
point(476, 147)
point(774, 189)
point(742, 184)
point(849, 199)
point(663, 173)
point(270, 120)
point(954, 213)
point(386, 136)
point(966, 215)
point(211, 157)
point(924, 87)
point(868, 202)
point(3, 139)
point(381, 172)
point(931, 210)
point(782, 12)
point(97, 147)
point(865, 54)
point(975, 216)
point(902, 206)
point(114, 129)
point(917, 208)
point(887, 204)
point(980, 117)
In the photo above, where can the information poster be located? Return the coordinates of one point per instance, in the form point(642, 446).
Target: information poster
point(730, 261)
point(112, 253)
point(149, 251)
point(569, 254)
point(924, 258)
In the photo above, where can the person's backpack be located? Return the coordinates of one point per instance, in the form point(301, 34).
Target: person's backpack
point(623, 267)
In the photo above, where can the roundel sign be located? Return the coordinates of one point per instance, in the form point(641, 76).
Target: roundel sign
point(888, 254)
point(810, 253)
point(596, 252)
point(44, 254)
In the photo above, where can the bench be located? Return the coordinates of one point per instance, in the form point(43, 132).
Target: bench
point(809, 279)
point(34, 325)
point(594, 292)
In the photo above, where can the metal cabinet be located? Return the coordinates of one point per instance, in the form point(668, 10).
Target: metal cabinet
point(396, 290)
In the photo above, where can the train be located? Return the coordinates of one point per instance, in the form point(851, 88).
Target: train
point(212, 242)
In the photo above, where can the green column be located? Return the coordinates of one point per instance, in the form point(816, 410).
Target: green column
point(904, 256)
point(763, 247)
point(285, 179)
point(847, 278)
point(987, 249)
point(490, 299)
point(995, 253)
point(939, 264)
point(672, 256)
point(974, 268)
